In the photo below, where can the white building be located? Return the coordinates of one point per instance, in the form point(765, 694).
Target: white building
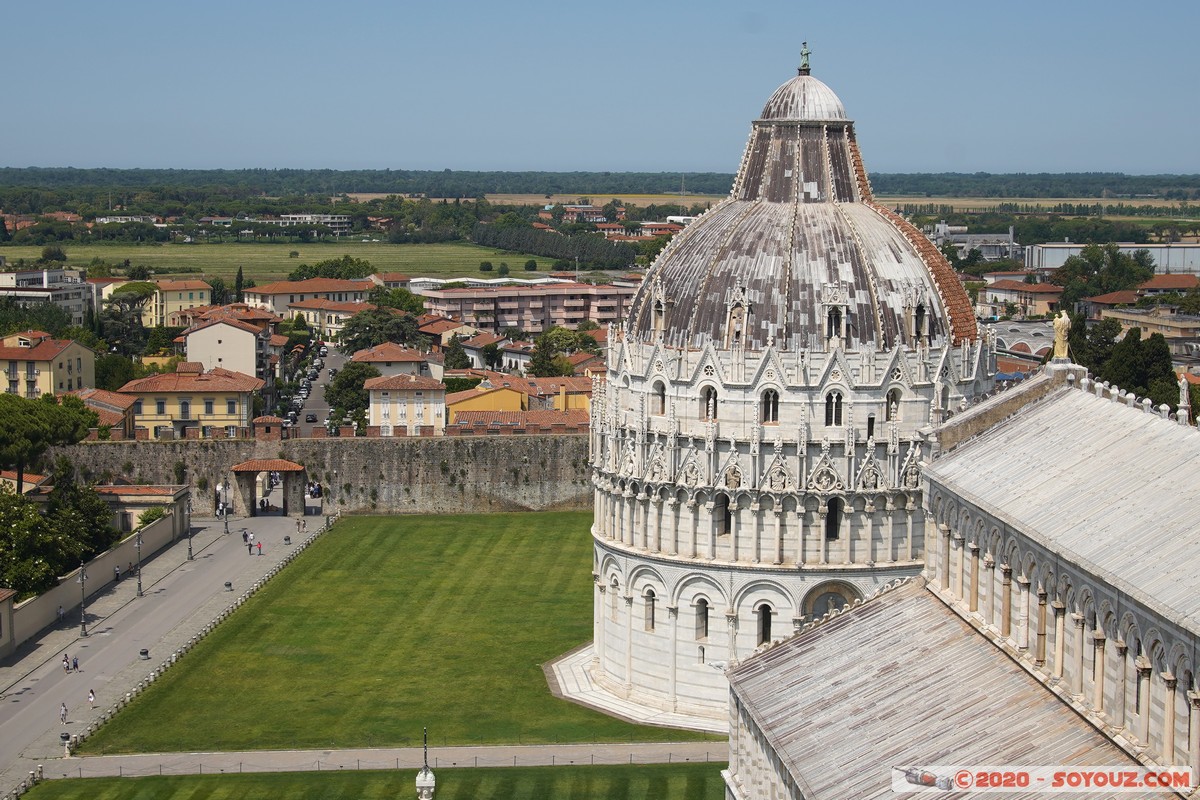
point(757, 441)
point(1170, 257)
point(65, 288)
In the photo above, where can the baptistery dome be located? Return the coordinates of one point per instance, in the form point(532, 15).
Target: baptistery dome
point(758, 439)
point(800, 243)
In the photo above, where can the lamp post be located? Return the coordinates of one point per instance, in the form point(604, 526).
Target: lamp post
point(189, 528)
point(82, 601)
point(138, 543)
point(225, 504)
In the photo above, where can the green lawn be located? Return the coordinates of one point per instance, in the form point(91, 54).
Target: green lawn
point(270, 262)
point(385, 625)
point(655, 782)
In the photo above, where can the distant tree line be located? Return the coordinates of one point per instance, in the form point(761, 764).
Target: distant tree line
point(1043, 184)
point(592, 250)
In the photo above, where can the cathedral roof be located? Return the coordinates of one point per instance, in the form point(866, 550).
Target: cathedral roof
point(930, 692)
point(799, 235)
point(1106, 486)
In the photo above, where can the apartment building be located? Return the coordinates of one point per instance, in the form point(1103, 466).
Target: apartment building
point(172, 297)
point(65, 288)
point(533, 308)
point(279, 296)
point(212, 403)
point(34, 363)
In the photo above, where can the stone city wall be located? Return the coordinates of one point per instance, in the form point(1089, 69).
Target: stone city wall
point(438, 475)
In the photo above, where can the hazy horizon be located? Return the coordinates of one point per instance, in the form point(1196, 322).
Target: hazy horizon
point(623, 87)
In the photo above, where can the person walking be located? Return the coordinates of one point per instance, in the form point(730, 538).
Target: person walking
point(74, 663)
point(62, 615)
point(260, 548)
point(62, 714)
point(249, 549)
point(92, 698)
point(117, 574)
point(245, 537)
point(66, 663)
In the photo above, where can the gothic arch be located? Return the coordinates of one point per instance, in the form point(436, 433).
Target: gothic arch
point(763, 591)
point(817, 598)
point(695, 585)
point(645, 576)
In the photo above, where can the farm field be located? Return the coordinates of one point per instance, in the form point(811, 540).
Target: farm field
point(385, 625)
point(270, 262)
point(639, 782)
point(1046, 203)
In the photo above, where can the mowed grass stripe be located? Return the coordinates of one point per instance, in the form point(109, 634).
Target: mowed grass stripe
point(270, 262)
point(386, 625)
point(701, 781)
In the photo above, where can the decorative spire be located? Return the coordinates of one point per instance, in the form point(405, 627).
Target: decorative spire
point(804, 54)
point(425, 738)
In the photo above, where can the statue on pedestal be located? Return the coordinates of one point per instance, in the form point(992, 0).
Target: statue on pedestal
point(1062, 326)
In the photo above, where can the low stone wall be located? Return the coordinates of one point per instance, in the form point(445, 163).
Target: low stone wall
point(392, 475)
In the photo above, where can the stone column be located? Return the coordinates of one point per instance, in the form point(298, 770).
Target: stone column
point(628, 642)
point(822, 512)
point(672, 677)
point(1023, 612)
point(908, 531)
point(1098, 660)
point(889, 509)
point(1039, 655)
point(1144, 669)
point(1076, 676)
point(673, 513)
point(973, 603)
point(756, 517)
point(693, 522)
point(989, 564)
point(958, 548)
point(1194, 731)
point(1168, 733)
point(599, 655)
point(712, 531)
point(627, 518)
point(731, 621)
point(1006, 600)
point(654, 512)
point(801, 532)
point(778, 514)
point(1060, 633)
point(1121, 684)
point(943, 555)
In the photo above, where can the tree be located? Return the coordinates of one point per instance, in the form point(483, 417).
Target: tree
point(220, 292)
point(548, 359)
point(53, 252)
point(121, 320)
point(29, 427)
point(399, 298)
point(456, 356)
point(4, 234)
point(344, 268)
point(113, 371)
point(531, 266)
point(492, 355)
point(346, 393)
point(239, 285)
point(79, 508)
point(33, 552)
point(485, 266)
point(138, 273)
point(376, 326)
point(503, 271)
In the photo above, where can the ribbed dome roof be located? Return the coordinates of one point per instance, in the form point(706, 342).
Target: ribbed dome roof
point(798, 243)
point(804, 98)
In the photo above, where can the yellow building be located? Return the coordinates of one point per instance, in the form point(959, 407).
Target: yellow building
point(407, 404)
point(174, 296)
point(35, 363)
point(485, 397)
point(192, 403)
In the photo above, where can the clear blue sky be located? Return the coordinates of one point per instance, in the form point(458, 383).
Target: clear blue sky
point(1051, 85)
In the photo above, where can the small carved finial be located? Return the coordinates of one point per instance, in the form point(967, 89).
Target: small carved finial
point(804, 54)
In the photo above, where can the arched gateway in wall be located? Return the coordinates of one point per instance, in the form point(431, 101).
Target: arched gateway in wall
point(755, 444)
point(245, 498)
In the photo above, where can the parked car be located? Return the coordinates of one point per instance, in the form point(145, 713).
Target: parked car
point(310, 417)
point(324, 351)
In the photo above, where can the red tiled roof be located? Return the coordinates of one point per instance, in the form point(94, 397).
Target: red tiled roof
point(217, 380)
point(1125, 297)
point(267, 465)
point(387, 352)
point(441, 326)
point(30, 478)
point(177, 286)
point(1019, 286)
point(403, 381)
point(392, 277)
point(278, 340)
point(236, 323)
point(267, 418)
point(483, 340)
point(103, 397)
point(1168, 282)
point(319, 304)
point(311, 285)
point(45, 350)
point(572, 418)
point(467, 394)
point(152, 491)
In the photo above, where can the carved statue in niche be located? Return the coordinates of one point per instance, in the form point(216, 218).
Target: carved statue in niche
point(912, 477)
point(690, 475)
point(656, 469)
point(733, 478)
point(777, 481)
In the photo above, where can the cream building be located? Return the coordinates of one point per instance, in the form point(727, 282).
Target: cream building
point(758, 440)
point(210, 403)
point(229, 344)
point(396, 359)
point(407, 405)
point(172, 297)
point(279, 296)
point(34, 363)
